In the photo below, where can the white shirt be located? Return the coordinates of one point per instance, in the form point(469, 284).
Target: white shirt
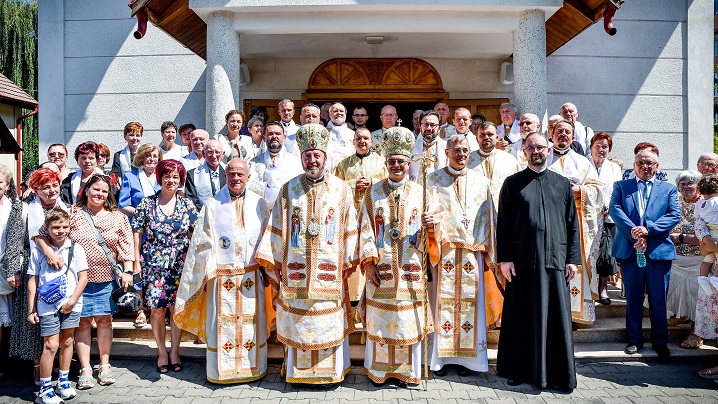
point(514, 135)
point(290, 130)
point(708, 210)
point(609, 173)
point(583, 134)
point(38, 266)
point(191, 161)
point(648, 185)
point(174, 153)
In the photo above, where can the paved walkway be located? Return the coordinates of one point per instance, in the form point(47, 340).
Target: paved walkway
point(601, 382)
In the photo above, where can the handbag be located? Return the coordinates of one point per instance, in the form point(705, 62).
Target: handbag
point(56, 290)
point(118, 269)
point(605, 258)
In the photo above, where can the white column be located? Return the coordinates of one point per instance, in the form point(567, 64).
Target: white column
point(699, 82)
point(530, 63)
point(222, 69)
point(51, 75)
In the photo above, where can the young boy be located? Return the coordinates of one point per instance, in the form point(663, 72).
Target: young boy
point(58, 309)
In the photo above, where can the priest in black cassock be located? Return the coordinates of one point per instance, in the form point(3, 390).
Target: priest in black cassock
point(538, 247)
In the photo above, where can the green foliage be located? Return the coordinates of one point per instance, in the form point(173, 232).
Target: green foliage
point(18, 62)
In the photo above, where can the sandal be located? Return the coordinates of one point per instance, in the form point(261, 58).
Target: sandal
point(707, 373)
point(141, 319)
point(85, 382)
point(177, 367)
point(163, 369)
point(692, 342)
point(106, 378)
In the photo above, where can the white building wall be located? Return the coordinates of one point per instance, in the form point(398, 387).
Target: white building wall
point(110, 78)
point(632, 85)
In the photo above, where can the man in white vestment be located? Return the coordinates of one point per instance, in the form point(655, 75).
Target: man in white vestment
point(285, 109)
point(428, 144)
point(461, 225)
point(388, 120)
point(221, 297)
point(494, 164)
point(528, 123)
point(341, 142)
point(462, 126)
point(389, 249)
point(587, 190)
point(581, 133)
point(273, 168)
point(308, 250)
point(195, 158)
point(446, 129)
point(508, 131)
point(205, 181)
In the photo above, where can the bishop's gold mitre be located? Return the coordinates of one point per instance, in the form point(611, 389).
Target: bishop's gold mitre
point(312, 136)
point(398, 140)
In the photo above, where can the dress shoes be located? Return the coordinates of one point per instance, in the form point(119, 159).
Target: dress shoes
point(663, 352)
point(605, 301)
point(464, 372)
point(441, 372)
point(632, 349)
point(512, 382)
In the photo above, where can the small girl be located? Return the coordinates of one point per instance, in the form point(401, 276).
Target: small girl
point(706, 213)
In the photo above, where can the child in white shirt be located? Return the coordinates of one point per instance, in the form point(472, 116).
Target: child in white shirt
point(55, 301)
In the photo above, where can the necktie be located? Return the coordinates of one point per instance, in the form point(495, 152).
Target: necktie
point(214, 177)
point(644, 193)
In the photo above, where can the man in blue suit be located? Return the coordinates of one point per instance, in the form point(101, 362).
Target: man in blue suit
point(645, 210)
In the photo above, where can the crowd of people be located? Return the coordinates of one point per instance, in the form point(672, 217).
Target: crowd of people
point(428, 236)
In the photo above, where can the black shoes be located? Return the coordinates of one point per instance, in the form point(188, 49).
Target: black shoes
point(512, 382)
point(632, 348)
point(441, 372)
point(663, 352)
point(464, 372)
point(605, 301)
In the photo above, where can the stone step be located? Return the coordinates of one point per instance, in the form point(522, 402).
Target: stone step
point(583, 351)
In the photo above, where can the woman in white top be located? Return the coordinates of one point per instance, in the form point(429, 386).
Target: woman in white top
point(170, 149)
point(234, 144)
point(608, 173)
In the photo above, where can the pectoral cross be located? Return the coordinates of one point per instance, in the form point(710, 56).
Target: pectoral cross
point(398, 122)
point(466, 222)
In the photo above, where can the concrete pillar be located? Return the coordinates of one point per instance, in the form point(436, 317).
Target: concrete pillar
point(530, 63)
point(222, 73)
point(699, 83)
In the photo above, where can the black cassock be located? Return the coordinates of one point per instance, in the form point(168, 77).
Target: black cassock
point(537, 230)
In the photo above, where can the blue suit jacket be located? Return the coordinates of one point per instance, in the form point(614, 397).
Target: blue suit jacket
point(661, 216)
point(131, 190)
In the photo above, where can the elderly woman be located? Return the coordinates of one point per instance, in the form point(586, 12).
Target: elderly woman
point(95, 210)
point(12, 236)
point(608, 173)
point(170, 149)
point(122, 160)
point(57, 153)
point(165, 222)
point(86, 155)
point(683, 284)
point(25, 340)
point(234, 144)
point(141, 181)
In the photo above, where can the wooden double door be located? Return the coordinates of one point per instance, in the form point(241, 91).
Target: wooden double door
point(407, 84)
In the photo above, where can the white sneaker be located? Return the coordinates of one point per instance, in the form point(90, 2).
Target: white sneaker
point(48, 396)
point(65, 390)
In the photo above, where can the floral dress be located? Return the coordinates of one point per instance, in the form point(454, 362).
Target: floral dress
point(164, 249)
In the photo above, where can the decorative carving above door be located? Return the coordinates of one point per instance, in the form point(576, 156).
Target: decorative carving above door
point(384, 79)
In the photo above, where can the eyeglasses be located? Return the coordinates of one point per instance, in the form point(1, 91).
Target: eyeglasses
point(360, 115)
point(536, 149)
point(56, 154)
point(429, 125)
point(707, 165)
point(460, 151)
point(645, 163)
point(105, 155)
point(395, 162)
point(103, 177)
point(525, 123)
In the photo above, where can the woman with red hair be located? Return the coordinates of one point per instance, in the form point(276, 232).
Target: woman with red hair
point(163, 225)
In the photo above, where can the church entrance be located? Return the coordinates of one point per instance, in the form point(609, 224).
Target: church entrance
point(407, 84)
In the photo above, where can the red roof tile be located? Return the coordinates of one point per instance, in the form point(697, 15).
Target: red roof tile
point(10, 93)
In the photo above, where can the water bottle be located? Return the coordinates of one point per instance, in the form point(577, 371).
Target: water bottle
point(641, 259)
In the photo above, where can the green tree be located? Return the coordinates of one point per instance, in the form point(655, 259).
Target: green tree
point(18, 62)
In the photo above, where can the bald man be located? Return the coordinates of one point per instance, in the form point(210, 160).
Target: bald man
point(582, 134)
point(446, 129)
point(206, 180)
point(388, 119)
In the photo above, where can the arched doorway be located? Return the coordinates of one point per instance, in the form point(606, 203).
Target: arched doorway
point(408, 84)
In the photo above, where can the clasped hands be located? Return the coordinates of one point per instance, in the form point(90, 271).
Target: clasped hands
point(639, 233)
